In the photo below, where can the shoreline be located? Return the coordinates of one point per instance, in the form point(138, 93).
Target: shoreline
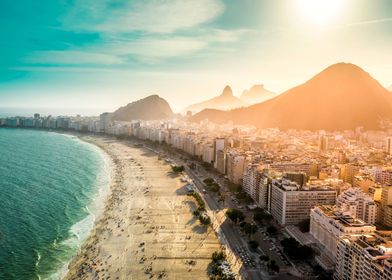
point(130, 189)
point(97, 205)
point(94, 209)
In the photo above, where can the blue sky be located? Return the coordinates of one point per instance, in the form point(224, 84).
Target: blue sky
point(90, 56)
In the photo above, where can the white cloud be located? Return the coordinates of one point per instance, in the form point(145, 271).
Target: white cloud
point(117, 49)
point(72, 57)
point(375, 21)
point(153, 16)
point(157, 47)
point(165, 29)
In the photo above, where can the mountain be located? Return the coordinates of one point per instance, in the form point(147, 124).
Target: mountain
point(152, 107)
point(390, 88)
point(256, 94)
point(343, 96)
point(225, 101)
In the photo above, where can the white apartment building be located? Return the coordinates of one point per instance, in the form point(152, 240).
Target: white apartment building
point(251, 181)
point(208, 154)
point(291, 203)
point(328, 224)
point(363, 257)
point(235, 167)
point(358, 205)
point(219, 145)
point(383, 175)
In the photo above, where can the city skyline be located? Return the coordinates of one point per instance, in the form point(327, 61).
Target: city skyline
point(99, 56)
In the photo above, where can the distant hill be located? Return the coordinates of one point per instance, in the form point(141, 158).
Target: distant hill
point(225, 101)
point(343, 96)
point(390, 88)
point(152, 107)
point(256, 94)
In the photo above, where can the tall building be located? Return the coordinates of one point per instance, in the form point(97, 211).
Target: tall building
point(388, 145)
point(358, 205)
point(291, 203)
point(219, 145)
point(342, 157)
point(208, 154)
point(221, 161)
point(386, 206)
point(104, 121)
point(252, 181)
point(328, 224)
point(363, 257)
point(235, 167)
point(383, 175)
point(349, 172)
point(323, 143)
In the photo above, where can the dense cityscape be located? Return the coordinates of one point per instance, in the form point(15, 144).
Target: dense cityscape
point(308, 200)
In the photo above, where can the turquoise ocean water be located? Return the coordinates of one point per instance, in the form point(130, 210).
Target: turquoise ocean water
point(51, 188)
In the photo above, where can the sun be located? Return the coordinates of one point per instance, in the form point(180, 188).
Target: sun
point(320, 12)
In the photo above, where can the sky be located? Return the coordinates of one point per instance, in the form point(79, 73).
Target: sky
point(89, 56)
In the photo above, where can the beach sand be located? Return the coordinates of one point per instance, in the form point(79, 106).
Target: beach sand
point(147, 230)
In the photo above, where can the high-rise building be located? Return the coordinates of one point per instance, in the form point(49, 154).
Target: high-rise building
point(383, 176)
point(104, 121)
point(342, 157)
point(323, 143)
point(388, 145)
point(386, 206)
point(363, 257)
point(291, 203)
point(219, 145)
point(235, 167)
point(358, 205)
point(221, 161)
point(328, 224)
point(349, 172)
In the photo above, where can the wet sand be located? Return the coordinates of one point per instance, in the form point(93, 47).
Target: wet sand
point(147, 230)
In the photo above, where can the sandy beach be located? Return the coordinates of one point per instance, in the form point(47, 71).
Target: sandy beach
point(147, 230)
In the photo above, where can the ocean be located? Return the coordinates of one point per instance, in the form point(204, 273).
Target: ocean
point(52, 186)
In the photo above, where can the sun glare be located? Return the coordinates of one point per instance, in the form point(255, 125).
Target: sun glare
point(320, 12)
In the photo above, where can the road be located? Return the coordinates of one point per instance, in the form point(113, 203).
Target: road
point(230, 233)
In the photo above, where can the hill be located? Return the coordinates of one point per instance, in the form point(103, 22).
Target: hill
point(225, 101)
point(343, 96)
point(152, 107)
point(256, 94)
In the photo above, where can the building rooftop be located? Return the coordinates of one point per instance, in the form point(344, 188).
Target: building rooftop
point(342, 218)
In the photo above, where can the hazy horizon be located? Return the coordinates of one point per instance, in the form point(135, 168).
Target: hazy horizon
point(99, 56)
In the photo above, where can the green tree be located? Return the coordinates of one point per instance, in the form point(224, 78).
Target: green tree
point(208, 181)
point(204, 219)
point(250, 229)
point(272, 230)
point(218, 256)
point(264, 258)
point(214, 187)
point(253, 244)
point(235, 215)
point(295, 250)
point(178, 169)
